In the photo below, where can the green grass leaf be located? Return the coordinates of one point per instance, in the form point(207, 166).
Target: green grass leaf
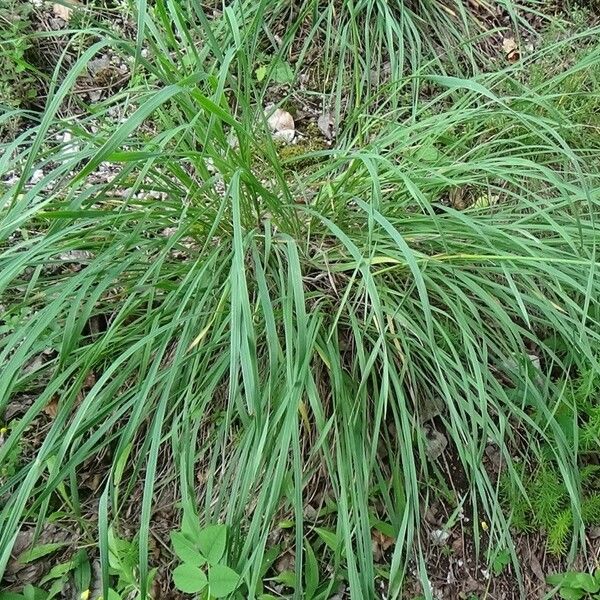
point(11, 596)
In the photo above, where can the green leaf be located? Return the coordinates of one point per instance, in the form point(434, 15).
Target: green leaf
point(82, 572)
point(40, 551)
point(34, 593)
point(571, 594)
point(383, 527)
point(222, 581)
point(57, 571)
point(189, 524)
point(212, 542)
point(269, 558)
point(261, 73)
point(186, 550)
point(285, 524)
point(112, 595)
point(575, 580)
point(283, 72)
point(11, 596)
point(311, 573)
point(57, 588)
point(329, 537)
point(428, 154)
point(287, 578)
point(189, 579)
point(122, 556)
point(501, 560)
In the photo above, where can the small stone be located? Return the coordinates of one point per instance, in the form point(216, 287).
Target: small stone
point(439, 536)
point(37, 176)
point(284, 135)
point(282, 125)
point(436, 444)
point(97, 65)
point(62, 12)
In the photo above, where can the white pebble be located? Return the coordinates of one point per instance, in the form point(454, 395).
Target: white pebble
point(37, 176)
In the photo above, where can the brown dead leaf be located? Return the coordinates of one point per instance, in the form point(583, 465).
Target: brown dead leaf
point(285, 562)
point(432, 514)
point(62, 11)
point(90, 381)
point(458, 546)
point(496, 462)
point(326, 123)
point(92, 481)
point(511, 50)
point(535, 566)
point(51, 409)
point(17, 408)
point(380, 543)
point(97, 66)
point(26, 573)
point(472, 585)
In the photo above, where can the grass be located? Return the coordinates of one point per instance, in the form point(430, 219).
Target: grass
point(265, 339)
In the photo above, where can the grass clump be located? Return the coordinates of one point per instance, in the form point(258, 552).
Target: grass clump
point(192, 325)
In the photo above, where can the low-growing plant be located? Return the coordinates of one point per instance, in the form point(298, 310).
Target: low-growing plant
point(203, 552)
point(576, 585)
point(547, 504)
point(75, 572)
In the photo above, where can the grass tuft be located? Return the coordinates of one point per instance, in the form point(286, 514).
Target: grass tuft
point(181, 306)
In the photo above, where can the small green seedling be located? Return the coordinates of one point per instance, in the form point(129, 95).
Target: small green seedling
point(76, 572)
point(203, 555)
point(29, 592)
point(500, 562)
point(123, 566)
point(575, 585)
point(279, 71)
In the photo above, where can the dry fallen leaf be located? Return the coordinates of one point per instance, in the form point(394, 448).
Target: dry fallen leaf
point(535, 566)
point(381, 543)
point(326, 124)
point(511, 50)
point(51, 409)
point(62, 12)
point(90, 381)
point(98, 65)
point(282, 125)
